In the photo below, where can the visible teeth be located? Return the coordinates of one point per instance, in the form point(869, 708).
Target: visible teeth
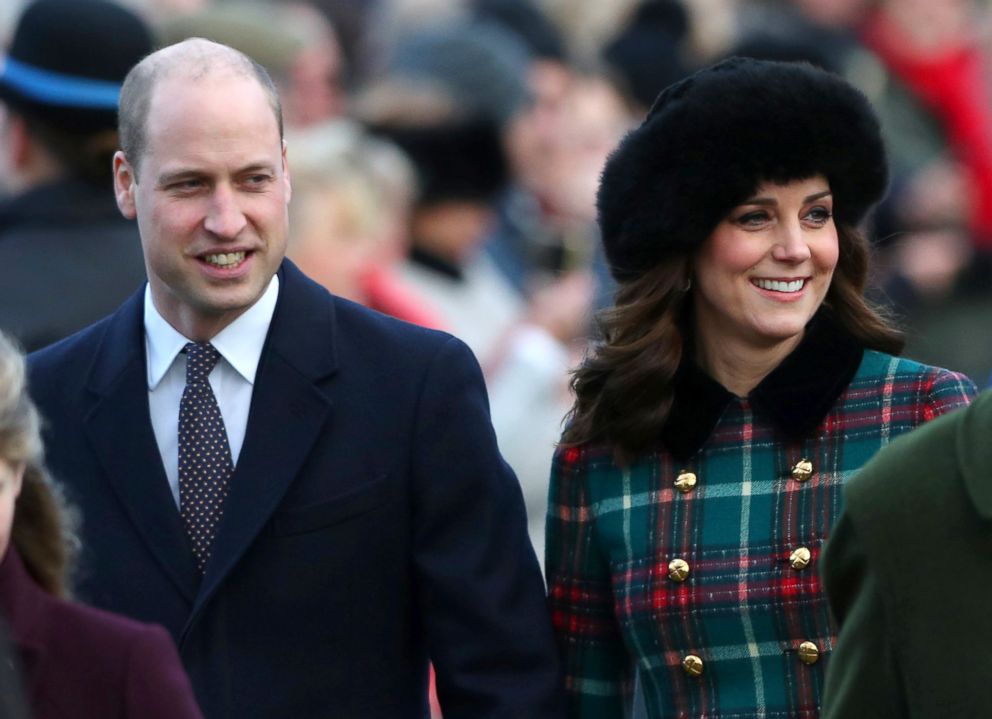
point(223, 260)
point(779, 286)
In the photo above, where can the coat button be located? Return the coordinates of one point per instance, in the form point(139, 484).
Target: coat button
point(799, 559)
point(802, 470)
point(693, 665)
point(685, 482)
point(678, 570)
point(808, 653)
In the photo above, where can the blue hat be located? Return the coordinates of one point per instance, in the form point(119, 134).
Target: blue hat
point(68, 59)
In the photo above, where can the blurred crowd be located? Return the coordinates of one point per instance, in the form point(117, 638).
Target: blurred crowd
point(445, 156)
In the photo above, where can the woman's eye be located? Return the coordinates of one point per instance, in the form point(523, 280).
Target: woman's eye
point(818, 215)
point(753, 219)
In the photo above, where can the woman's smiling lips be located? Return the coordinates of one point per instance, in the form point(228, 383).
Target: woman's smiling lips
point(782, 289)
point(785, 285)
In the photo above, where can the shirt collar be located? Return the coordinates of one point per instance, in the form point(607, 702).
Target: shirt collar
point(240, 343)
point(794, 397)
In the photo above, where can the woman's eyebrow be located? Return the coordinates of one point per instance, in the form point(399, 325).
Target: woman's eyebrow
point(771, 201)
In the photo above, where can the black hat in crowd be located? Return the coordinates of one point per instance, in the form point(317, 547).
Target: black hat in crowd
point(711, 139)
point(646, 54)
point(456, 159)
point(68, 59)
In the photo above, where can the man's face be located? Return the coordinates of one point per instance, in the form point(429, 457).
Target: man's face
point(210, 197)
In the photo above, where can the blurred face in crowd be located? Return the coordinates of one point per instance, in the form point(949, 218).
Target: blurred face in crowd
point(335, 240)
point(315, 92)
point(210, 198)
point(533, 136)
point(10, 487)
point(766, 268)
point(11, 136)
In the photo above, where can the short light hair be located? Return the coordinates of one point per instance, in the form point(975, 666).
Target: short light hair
point(42, 531)
point(195, 58)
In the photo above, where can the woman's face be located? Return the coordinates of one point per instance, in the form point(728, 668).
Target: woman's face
point(10, 487)
point(764, 271)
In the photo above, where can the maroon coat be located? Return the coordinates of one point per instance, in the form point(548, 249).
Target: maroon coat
point(78, 662)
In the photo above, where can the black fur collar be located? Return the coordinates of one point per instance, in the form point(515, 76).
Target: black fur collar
point(794, 397)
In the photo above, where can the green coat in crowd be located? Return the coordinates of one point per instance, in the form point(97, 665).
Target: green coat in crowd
point(908, 572)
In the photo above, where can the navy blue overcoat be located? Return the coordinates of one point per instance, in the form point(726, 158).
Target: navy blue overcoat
point(371, 524)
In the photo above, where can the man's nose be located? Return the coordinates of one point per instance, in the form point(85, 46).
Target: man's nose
point(225, 219)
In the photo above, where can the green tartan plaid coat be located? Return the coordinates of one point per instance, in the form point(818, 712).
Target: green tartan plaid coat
point(710, 589)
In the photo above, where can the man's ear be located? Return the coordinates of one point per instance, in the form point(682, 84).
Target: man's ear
point(285, 172)
point(125, 185)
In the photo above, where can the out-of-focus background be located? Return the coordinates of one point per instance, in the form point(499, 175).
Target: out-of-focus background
point(445, 156)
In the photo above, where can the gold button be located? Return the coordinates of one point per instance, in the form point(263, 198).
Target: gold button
point(685, 482)
point(799, 559)
point(693, 665)
point(678, 570)
point(808, 653)
point(802, 470)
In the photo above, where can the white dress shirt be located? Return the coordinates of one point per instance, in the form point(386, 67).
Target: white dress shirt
point(232, 379)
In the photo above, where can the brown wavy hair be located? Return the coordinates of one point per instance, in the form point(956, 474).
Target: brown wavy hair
point(42, 530)
point(625, 387)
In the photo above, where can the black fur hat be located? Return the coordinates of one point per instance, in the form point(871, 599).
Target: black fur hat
point(711, 139)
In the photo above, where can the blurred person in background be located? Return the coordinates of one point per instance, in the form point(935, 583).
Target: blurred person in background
point(451, 124)
point(76, 661)
point(943, 263)
point(352, 196)
point(741, 380)
point(524, 241)
point(649, 52)
point(67, 257)
point(293, 41)
point(556, 144)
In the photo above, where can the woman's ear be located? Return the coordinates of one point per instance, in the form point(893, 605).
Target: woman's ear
point(18, 478)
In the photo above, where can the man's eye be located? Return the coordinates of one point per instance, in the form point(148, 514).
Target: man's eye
point(186, 185)
point(256, 180)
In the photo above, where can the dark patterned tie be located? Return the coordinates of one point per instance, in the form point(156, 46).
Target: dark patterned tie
point(205, 465)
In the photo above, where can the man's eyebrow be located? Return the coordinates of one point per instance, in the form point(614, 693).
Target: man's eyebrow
point(167, 178)
point(257, 167)
point(186, 173)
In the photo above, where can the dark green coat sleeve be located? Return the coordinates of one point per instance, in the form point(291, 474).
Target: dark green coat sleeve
point(863, 679)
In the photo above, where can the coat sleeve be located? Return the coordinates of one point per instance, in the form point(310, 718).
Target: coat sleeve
point(156, 683)
point(598, 670)
point(863, 679)
point(479, 586)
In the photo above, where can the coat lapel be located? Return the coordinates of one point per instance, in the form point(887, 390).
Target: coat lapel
point(119, 427)
point(288, 412)
point(974, 452)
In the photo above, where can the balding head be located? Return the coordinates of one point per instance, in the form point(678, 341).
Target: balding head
point(192, 60)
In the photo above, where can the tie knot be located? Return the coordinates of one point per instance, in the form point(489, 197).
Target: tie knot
point(200, 360)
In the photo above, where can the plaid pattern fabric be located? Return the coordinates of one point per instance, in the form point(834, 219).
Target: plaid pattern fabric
point(743, 609)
